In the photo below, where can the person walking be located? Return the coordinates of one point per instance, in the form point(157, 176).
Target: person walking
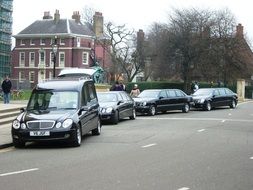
point(6, 87)
point(117, 87)
point(135, 91)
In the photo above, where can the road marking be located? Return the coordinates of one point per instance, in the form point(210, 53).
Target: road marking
point(251, 158)
point(223, 121)
point(149, 145)
point(201, 130)
point(18, 172)
point(196, 119)
point(184, 188)
point(230, 114)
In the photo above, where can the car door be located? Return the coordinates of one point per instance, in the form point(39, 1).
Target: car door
point(162, 102)
point(129, 104)
point(89, 117)
point(180, 100)
point(122, 105)
point(216, 98)
point(172, 99)
point(225, 99)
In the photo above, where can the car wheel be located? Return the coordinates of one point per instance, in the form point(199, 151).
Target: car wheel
point(115, 118)
point(152, 110)
point(97, 131)
point(78, 137)
point(208, 106)
point(133, 116)
point(186, 108)
point(233, 104)
point(18, 143)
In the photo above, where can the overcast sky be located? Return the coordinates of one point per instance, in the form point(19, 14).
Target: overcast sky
point(137, 14)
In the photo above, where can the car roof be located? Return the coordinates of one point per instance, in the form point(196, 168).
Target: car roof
point(78, 71)
point(61, 84)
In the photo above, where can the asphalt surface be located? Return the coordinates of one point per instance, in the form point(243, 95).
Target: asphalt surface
point(173, 151)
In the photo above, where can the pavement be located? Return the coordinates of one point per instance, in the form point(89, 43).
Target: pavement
point(5, 130)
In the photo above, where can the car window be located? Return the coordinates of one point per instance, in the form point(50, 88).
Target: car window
point(228, 91)
point(120, 97)
point(171, 93)
point(179, 93)
point(107, 97)
point(124, 96)
point(163, 94)
point(91, 94)
point(222, 91)
point(216, 93)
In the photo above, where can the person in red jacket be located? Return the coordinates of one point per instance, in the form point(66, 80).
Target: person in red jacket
point(6, 87)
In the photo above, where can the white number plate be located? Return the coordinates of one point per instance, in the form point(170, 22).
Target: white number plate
point(39, 133)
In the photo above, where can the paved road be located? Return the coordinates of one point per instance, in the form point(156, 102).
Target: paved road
point(174, 151)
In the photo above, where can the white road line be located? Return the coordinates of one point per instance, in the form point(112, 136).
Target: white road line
point(18, 172)
point(196, 119)
point(230, 114)
point(149, 145)
point(223, 120)
point(251, 158)
point(201, 130)
point(184, 188)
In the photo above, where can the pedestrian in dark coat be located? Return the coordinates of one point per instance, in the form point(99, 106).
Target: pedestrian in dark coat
point(6, 87)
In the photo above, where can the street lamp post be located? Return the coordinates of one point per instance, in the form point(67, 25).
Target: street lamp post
point(55, 47)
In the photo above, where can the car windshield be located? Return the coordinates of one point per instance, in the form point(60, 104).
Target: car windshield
point(47, 100)
point(107, 97)
point(203, 92)
point(149, 94)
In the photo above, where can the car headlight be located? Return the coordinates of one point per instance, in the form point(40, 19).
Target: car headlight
point(23, 126)
point(16, 124)
point(108, 110)
point(143, 103)
point(67, 123)
point(58, 125)
point(202, 100)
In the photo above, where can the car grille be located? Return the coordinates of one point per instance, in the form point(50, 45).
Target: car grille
point(40, 124)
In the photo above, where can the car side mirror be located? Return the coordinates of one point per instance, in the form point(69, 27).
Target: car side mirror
point(83, 108)
point(119, 102)
point(161, 97)
point(22, 110)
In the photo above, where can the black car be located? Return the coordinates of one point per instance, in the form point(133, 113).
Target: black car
point(61, 110)
point(162, 100)
point(208, 98)
point(116, 105)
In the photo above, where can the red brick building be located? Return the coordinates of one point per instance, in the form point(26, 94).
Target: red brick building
point(32, 57)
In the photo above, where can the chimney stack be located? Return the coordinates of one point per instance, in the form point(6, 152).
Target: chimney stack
point(47, 15)
point(76, 16)
point(239, 31)
point(56, 16)
point(98, 24)
point(140, 38)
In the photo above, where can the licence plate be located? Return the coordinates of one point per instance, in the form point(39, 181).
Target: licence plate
point(39, 133)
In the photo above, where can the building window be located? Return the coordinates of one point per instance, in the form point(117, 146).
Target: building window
point(51, 59)
point(21, 76)
point(32, 42)
point(22, 59)
point(42, 58)
point(85, 58)
point(61, 59)
point(62, 41)
point(22, 42)
point(31, 76)
point(42, 41)
point(32, 59)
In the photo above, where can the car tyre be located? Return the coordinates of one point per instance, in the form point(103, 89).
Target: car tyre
point(186, 108)
point(18, 143)
point(133, 116)
point(97, 131)
point(115, 118)
point(233, 104)
point(78, 137)
point(152, 110)
point(207, 106)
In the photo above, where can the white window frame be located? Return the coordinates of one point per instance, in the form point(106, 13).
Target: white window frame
point(22, 42)
point(85, 58)
point(41, 41)
point(62, 41)
point(32, 41)
point(31, 62)
point(41, 60)
point(21, 76)
point(21, 59)
point(62, 62)
point(31, 76)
